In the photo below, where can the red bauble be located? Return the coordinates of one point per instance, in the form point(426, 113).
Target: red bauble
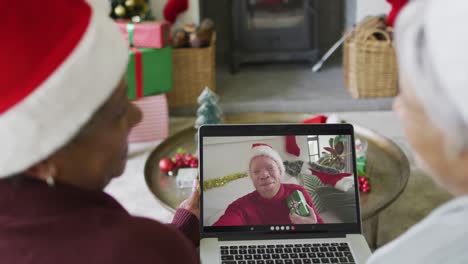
point(166, 165)
point(187, 159)
point(179, 164)
point(179, 156)
point(194, 163)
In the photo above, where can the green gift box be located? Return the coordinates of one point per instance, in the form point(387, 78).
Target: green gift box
point(297, 203)
point(361, 164)
point(149, 72)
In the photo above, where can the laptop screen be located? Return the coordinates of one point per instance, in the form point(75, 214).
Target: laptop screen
point(278, 179)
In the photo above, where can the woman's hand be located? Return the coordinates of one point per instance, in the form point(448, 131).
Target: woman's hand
point(298, 220)
point(192, 204)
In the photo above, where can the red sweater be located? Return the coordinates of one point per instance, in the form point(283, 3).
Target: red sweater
point(252, 209)
point(63, 224)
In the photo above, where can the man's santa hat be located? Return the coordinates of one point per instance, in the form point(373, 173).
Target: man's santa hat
point(58, 67)
point(261, 149)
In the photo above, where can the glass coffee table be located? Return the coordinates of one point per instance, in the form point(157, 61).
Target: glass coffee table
point(387, 166)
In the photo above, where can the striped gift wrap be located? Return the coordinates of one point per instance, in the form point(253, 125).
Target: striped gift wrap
point(155, 122)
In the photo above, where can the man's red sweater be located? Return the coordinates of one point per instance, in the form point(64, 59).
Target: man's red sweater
point(252, 209)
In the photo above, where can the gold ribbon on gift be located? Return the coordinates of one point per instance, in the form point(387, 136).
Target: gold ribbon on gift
point(221, 181)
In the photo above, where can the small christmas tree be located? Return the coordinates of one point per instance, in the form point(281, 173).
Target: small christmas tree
point(136, 10)
point(208, 111)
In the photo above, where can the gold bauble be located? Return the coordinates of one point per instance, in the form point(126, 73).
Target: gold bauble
point(130, 4)
point(119, 11)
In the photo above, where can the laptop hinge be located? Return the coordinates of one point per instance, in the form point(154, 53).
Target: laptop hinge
point(282, 236)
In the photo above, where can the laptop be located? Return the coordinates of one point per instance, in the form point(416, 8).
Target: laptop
point(254, 210)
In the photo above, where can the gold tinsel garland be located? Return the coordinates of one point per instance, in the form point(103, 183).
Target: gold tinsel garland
point(221, 181)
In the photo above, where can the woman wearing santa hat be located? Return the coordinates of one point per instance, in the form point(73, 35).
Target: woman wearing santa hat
point(64, 122)
point(267, 204)
point(431, 39)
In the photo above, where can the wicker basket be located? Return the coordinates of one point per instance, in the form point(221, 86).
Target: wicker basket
point(194, 69)
point(369, 62)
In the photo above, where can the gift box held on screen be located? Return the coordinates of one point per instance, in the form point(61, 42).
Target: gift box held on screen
point(154, 34)
point(155, 122)
point(297, 203)
point(149, 72)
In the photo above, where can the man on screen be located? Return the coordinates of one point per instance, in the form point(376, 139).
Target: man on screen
point(267, 204)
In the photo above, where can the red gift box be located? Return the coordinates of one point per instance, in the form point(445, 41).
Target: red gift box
point(155, 122)
point(154, 34)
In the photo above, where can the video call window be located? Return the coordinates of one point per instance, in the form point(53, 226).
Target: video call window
point(268, 180)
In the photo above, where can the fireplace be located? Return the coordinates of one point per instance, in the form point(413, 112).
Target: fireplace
point(273, 30)
point(323, 23)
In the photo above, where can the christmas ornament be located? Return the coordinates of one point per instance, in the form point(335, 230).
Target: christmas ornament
point(135, 10)
point(120, 11)
point(364, 185)
point(136, 19)
point(182, 159)
point(166, 165)
point(130, 4)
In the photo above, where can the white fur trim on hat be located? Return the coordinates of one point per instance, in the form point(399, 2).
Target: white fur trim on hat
point(345, 183)
point(53, 114)
point(266, 150)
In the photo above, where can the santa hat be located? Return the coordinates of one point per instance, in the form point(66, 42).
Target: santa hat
point(261, 149)
point(341, 181)
point(59, 66)
point(430, 38)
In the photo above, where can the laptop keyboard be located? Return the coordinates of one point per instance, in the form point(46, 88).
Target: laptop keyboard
point(287, 254)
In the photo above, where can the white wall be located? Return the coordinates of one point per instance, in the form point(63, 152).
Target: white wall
point(192, 15)
point(371, 7)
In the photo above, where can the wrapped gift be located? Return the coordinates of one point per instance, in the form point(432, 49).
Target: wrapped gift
point(155, 122)
point(361, 163)
point(153, 34)
point(186, 177)
point(297, 203)
point(149, 72)
point(361, 156)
